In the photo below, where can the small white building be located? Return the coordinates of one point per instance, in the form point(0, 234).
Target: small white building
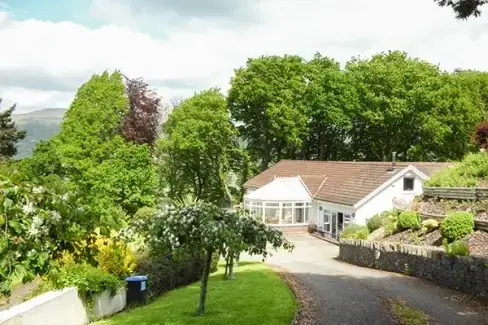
point(331, 194)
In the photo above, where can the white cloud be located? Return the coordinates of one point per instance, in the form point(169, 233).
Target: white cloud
point(42, 63)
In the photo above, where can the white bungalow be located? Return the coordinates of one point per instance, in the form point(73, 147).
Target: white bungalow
point(330, 194)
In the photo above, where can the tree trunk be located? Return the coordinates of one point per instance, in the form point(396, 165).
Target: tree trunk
point(231, 267)
point(203, 288)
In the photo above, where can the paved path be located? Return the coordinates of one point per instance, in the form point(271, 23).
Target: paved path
point(348, 294)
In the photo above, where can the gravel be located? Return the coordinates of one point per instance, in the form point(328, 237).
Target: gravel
point(478, 243)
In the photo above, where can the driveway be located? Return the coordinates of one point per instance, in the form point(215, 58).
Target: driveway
point(348, 294)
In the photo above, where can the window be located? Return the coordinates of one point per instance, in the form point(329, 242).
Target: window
point(287, 217)
point(299, 213)
point(327, 220)
point(272, 213)
point(408, 184)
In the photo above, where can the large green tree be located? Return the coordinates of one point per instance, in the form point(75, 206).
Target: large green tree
point(331, 101)
point(266, 101)
point(199, 149)
point(113, 176)
point(9, 135)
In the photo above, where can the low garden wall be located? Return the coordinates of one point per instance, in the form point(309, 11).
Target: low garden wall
point(63, 307)
point(465, 273)
point(456, 193)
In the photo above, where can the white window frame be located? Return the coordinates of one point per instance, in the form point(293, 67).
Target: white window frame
point(413, 184)
point(327, 218)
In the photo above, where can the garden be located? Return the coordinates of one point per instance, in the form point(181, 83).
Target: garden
point(433, 221)
point(108, 197)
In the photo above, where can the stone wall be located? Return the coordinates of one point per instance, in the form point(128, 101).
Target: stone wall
point(465, 273)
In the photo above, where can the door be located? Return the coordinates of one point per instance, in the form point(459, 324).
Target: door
point(334, 224)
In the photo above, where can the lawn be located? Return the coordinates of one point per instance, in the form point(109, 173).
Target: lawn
point(256, 296)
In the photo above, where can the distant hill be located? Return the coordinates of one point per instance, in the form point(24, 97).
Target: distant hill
point(40, 125)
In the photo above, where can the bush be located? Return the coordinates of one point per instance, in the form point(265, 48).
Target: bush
point(457, 248)
point(88, 279)
point(409, 220)
point(312, 228)
point(457, 225)
point(375, 222)
point(169, 272)
point(430, 225)
point(354, 231)
point(116, 258)
point(466, 173)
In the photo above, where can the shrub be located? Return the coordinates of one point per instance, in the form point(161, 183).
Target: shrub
point(481, 135)
point(409, 220)
point(457, 248)
point(457, 225)
point(88, 279)
point(312, 228)
point(168, 272)
point(430, 225)
point(466, 173)
point(116, 258)
point(390, 225)
point(354, 231)
point(376, 221)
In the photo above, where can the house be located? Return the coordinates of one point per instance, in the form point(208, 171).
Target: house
point(331, 194)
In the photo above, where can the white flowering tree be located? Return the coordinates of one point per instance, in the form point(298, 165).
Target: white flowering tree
point(204, 228)
point(35, 226)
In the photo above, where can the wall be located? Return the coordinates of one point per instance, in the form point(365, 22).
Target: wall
point(62, 307)
point(383, 200)
point(468, 274)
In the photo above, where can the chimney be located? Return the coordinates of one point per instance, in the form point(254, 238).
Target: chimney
point(393, 160)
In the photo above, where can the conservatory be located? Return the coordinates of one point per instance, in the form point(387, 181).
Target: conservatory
point(283, 201)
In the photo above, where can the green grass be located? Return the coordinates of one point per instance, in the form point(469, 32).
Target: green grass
point(407, 315)
point(256, 296)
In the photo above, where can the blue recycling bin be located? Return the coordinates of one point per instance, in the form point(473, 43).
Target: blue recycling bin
point(136, 289)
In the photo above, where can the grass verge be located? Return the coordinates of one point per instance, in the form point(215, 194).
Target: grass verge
point(407, 315)
point(257, 296)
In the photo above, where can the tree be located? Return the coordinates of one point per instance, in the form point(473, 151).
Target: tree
point(331, 100)
point(390, 88)
point(463, 8)
point(198, 149)
point(141, 122)
point(266, 101)
point(114, 177)
point(9, 135)
point(201, 228)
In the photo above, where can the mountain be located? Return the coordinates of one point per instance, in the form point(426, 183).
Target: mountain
point(40, 125)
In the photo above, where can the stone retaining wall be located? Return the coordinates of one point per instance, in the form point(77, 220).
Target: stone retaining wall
point(465, 273)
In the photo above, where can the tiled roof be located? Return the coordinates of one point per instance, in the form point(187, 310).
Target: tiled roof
point(343, 182)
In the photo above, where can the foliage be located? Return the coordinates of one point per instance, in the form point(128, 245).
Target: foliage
point(112, 176)
point(266, 98)
point(214, 266)
point(9, 135)
point(116, 258)
point(198, 149)
point(390, 223)
point(332, 102)
point(430, 225)
point(407, 315)
point(166, 273)
point(409, 220)
point(354, 231)
point(88, 279)
point(467, 173)
point(463, 8)
point(457, 225)
point(481, 135)
point(457, 248)
point(260, 298)
point(203, 228)
point(36, 224)
point(375, 222)
point(141, 122)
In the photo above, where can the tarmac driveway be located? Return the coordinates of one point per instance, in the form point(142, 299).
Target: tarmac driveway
point(348, 294)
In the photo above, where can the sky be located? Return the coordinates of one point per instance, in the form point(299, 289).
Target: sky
point(49, 48)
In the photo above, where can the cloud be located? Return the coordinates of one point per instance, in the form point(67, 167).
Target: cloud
point(42, 63)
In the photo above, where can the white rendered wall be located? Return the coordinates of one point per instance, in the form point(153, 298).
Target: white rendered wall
point(384, 200)
point(62, 307)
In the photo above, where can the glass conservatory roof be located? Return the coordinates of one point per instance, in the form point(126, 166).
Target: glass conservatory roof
point(282, 189)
